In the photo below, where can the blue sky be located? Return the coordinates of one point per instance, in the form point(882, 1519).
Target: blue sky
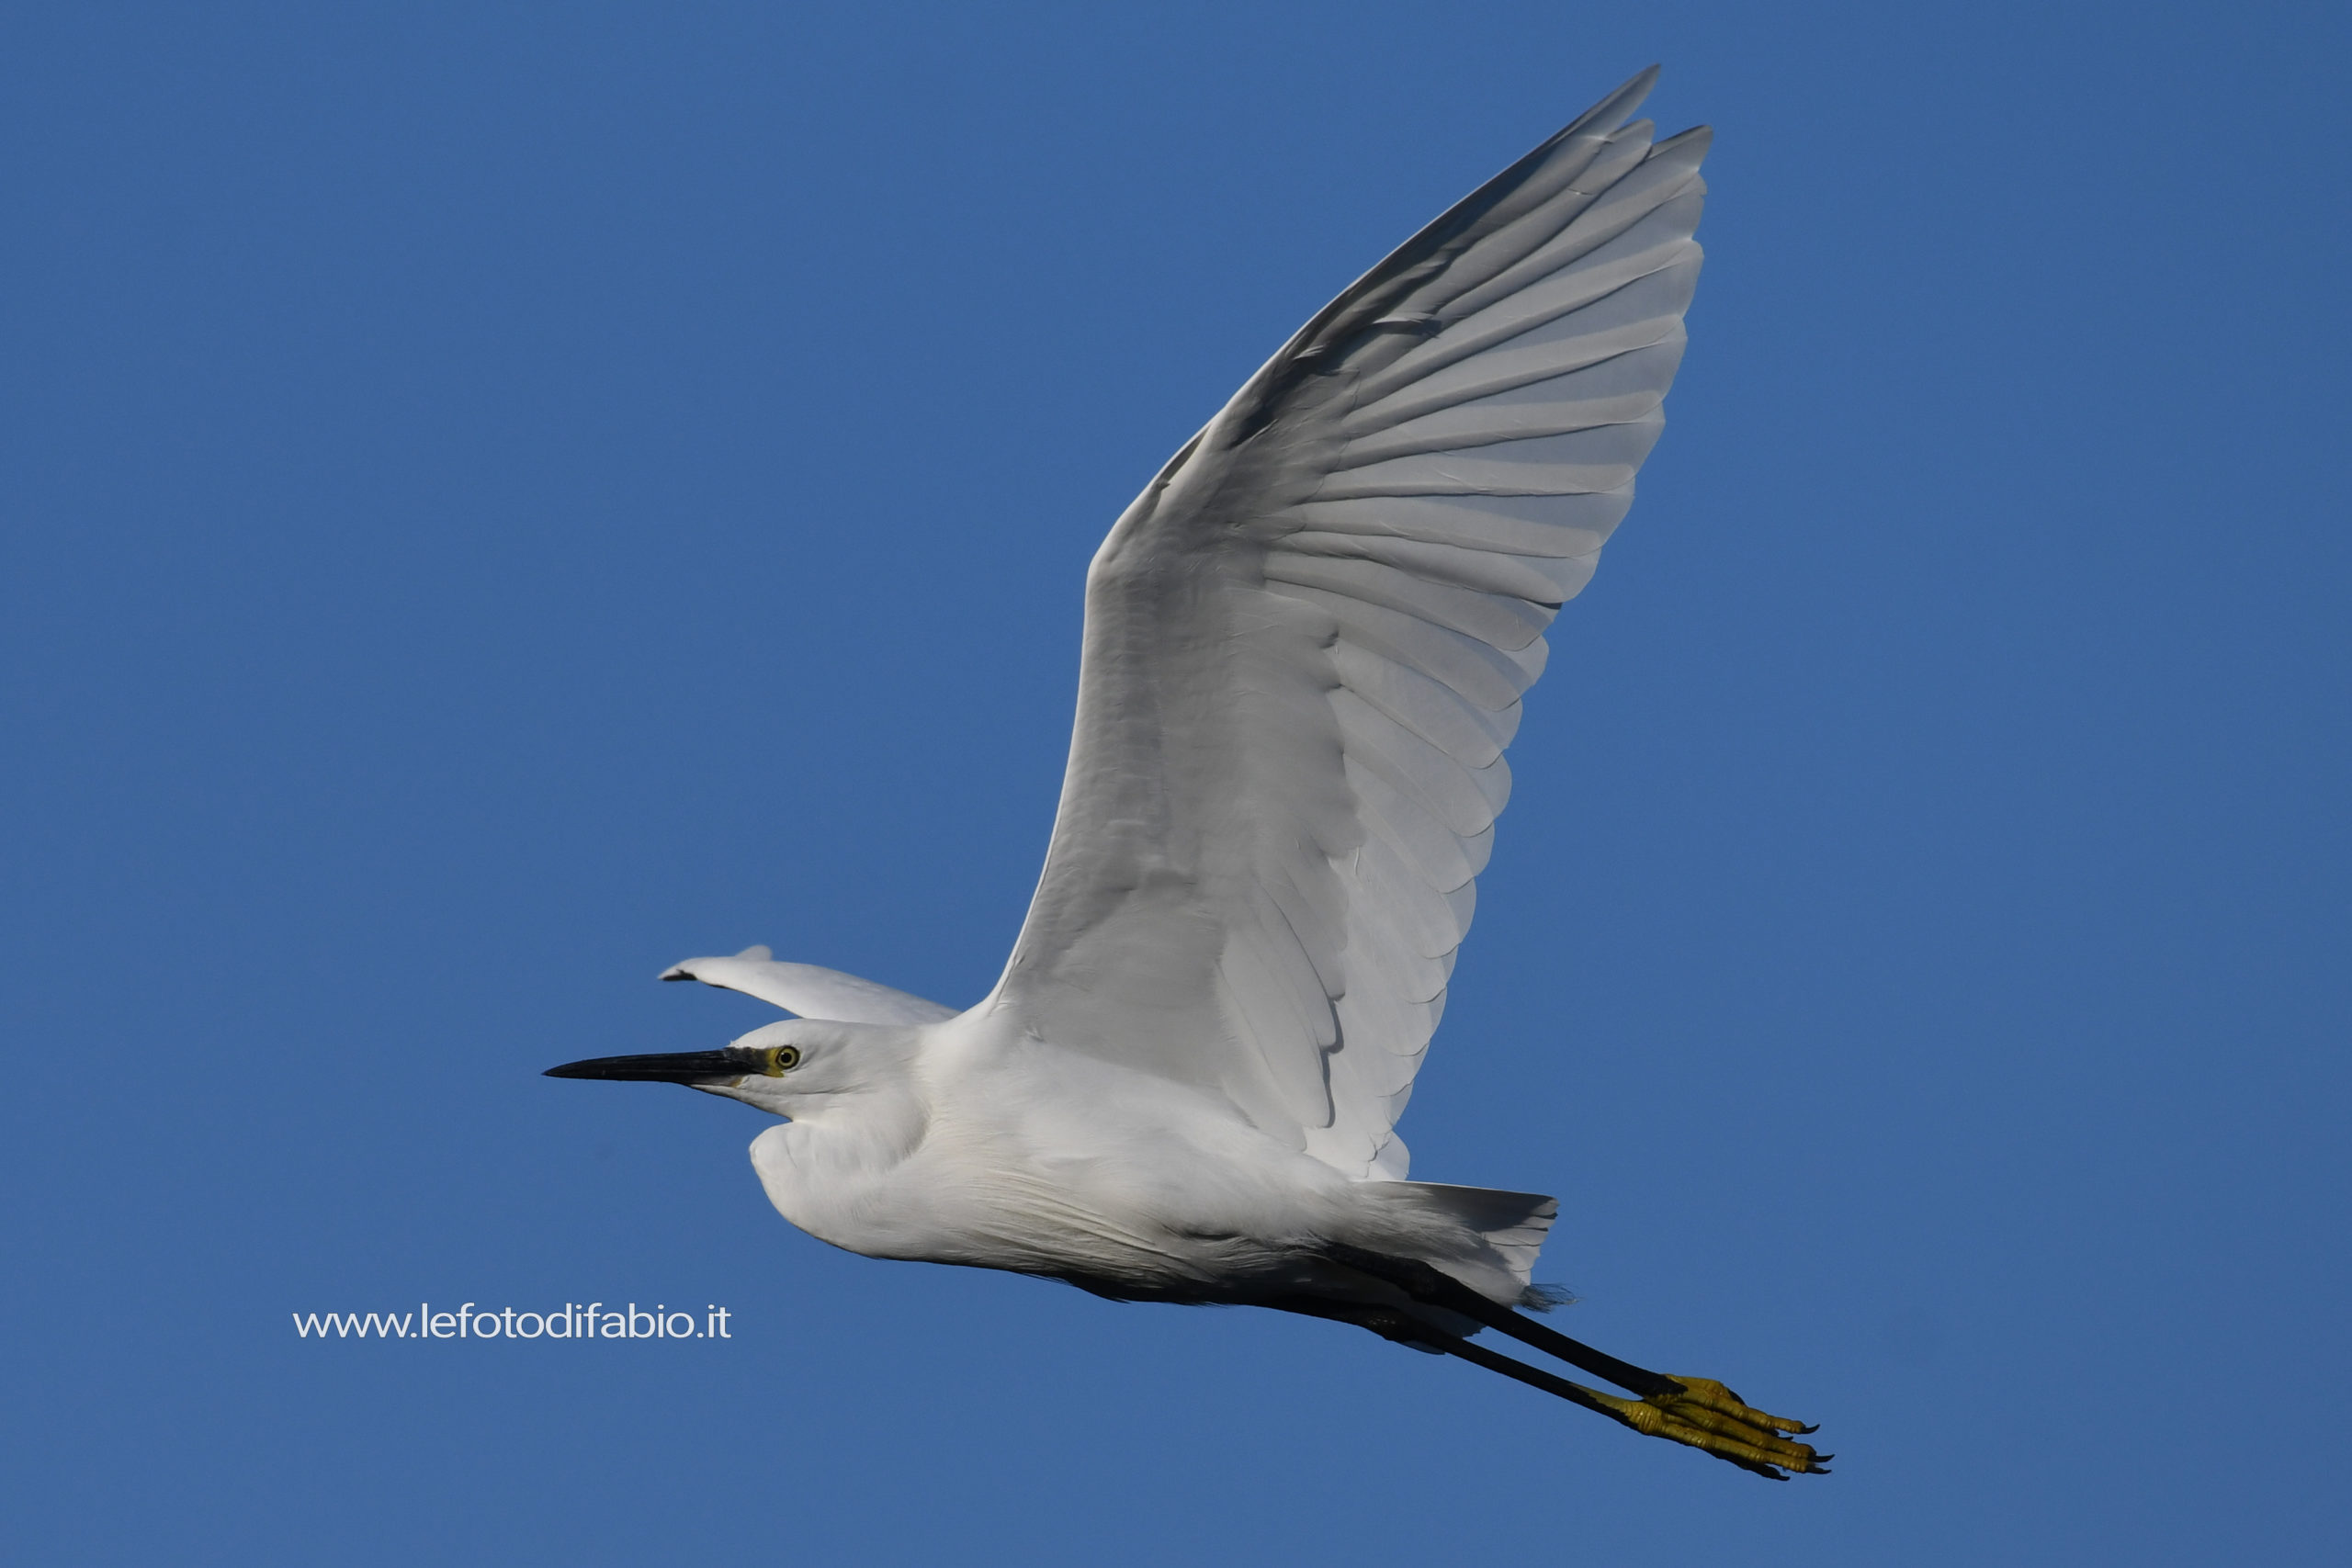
point(499, 499)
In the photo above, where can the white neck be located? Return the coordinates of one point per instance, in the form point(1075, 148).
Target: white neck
point(827, 1169)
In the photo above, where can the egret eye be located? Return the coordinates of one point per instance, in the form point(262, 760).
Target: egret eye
point(781, 1059)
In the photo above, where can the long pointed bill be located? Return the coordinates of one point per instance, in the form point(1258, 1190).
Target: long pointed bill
point(675, 1066)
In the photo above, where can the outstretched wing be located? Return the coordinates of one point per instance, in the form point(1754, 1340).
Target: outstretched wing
point(809, 990)
point(1305, 644)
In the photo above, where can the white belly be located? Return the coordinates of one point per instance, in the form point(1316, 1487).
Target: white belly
point(1158, 1205)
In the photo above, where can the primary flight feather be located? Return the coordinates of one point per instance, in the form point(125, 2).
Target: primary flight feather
point(1305, 649)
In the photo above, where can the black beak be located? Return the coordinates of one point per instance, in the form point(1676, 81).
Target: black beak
point(675, 1066)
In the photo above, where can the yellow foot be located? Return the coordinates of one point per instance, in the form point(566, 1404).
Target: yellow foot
point(1709, 1417)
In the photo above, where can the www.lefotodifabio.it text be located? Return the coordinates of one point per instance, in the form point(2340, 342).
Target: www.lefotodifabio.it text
point(572, 1322)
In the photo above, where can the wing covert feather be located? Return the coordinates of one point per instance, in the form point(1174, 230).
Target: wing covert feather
point(1305, 644)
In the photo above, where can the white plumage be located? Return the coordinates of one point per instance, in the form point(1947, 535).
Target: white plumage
point(1305, 645)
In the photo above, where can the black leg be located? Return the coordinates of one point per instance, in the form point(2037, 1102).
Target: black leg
point(1425, 1283)
point(1699, 1412)
point(1576, 1393)
point(1392, 1323)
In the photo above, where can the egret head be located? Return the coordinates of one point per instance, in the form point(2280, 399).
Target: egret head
point(783, 1068)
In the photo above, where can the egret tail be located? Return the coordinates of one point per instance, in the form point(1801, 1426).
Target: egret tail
point(1510, 1225)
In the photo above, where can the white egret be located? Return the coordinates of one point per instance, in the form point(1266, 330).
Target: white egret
point(1305, 648)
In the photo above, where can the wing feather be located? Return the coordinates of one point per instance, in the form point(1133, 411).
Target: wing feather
point(809, 990)
point(1306, 643)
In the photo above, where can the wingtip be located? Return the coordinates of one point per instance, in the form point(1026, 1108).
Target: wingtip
point(1637, 86)
point(684, 970)
point(1613, 110)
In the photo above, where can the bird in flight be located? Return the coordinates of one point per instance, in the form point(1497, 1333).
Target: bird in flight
point(1305, 645)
